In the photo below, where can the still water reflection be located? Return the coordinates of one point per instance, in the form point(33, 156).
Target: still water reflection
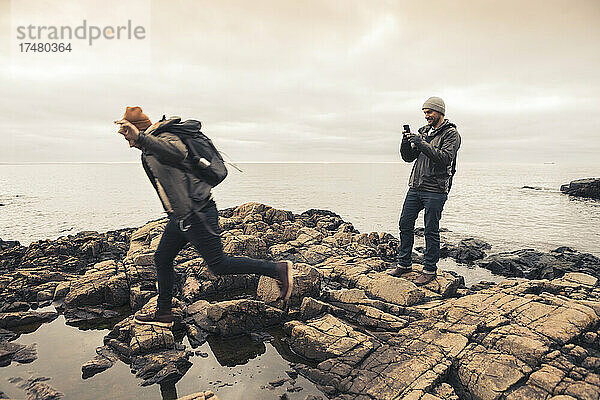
point(236, 368)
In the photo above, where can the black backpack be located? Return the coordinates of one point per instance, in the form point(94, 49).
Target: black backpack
point(205, 160)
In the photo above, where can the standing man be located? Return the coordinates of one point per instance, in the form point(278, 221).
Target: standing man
point(193, 216)
point(434, 148)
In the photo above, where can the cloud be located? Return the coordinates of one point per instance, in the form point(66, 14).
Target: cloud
point(322, 80)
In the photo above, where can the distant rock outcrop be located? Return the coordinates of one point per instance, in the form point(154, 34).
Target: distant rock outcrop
point(589, 188)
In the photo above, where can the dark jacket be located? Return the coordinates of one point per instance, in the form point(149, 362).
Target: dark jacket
point(435, 157)
point(164, 158)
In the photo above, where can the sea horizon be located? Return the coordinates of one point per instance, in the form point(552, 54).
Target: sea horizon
point(487, 201)
point(568, 163)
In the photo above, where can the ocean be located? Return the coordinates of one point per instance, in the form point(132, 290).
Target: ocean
point(487, 201)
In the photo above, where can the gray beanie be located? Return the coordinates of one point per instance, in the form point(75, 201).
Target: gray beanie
point(435, 104)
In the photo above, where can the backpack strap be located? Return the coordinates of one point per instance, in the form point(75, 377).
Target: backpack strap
point(453, 171)
point(162, 125)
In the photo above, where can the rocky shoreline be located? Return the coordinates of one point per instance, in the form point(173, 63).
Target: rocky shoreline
point(359, 333)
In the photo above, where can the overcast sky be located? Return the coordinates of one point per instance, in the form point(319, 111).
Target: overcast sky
point(309, 80)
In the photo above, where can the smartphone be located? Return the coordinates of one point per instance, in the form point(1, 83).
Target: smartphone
point(406, 129)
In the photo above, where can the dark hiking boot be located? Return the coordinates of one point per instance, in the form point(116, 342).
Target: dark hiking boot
point(285, 271)
point(399, 271)
point(164, 319)
point(425, 278)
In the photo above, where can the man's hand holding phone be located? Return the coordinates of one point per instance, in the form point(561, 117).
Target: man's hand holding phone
point(406, 132)
point(413, 138)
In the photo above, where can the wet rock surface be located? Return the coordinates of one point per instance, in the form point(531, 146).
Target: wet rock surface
point(104, 359)
point(354, 330)
point(38, 389)
point(15, 352)
point(533, 264)
point(467, 251)
point(152, 351)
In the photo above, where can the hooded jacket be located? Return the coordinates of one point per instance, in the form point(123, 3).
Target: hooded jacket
point(435, 157)
point(165, 161)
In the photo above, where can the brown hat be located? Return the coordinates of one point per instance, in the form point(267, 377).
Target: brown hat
point(137, 118)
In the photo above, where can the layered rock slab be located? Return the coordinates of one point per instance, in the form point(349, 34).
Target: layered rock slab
point(358, 365)
point(513, 340)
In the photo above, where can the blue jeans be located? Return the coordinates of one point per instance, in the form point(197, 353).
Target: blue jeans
point(210, 247)
point(415, 201)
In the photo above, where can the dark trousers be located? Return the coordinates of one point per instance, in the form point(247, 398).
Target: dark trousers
point(415, 201)
point(208, 245)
